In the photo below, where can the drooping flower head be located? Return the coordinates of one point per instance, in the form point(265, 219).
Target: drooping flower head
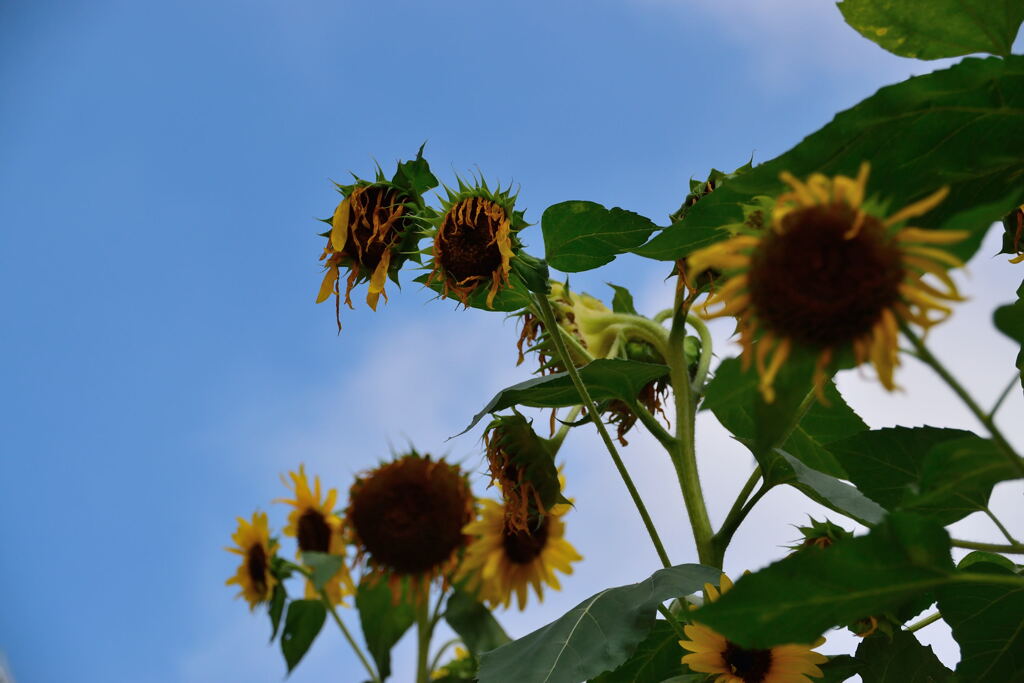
point(475, 242)
point(504, 560)
point(831, 275)
point(317, 528)
point(374, 230)
point(406, 518)
point(253, 542)
point(712, 653)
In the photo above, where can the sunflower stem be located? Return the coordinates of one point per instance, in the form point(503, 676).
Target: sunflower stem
point(672, 621)
point(348, 636)
point(1011, 549)
point(663, 315)
point(735, 514)
point(653, 426)
point(704, 361)
point(1002, 397)
point(588, 403)
point(437, 656)
point(684, 457)
point(997, 436)
point(563, 431)
point(635, 327)
point(999, 525)
point(424, 631)
point(931, 619)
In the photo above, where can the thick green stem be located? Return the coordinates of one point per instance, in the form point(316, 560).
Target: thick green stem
point(633, 327)
point(424, 631)
point(924, 622)
point(348, 636)
point(653, 426)
point(1011, 549)
point(672, 621)
point(588, 404)
point(997, 436)
point(684, 457)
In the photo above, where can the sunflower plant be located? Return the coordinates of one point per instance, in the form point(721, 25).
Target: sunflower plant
point(841, 253)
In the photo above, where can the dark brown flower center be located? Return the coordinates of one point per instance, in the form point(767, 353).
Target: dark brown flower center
point(256, 564)
point(525, 545)
point(466, 246)
point(750, 665)
point(313, 532)
point(409, 514)
point(819, 288)
point(375, 221)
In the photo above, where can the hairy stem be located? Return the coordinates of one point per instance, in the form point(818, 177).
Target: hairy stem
point(704, 361)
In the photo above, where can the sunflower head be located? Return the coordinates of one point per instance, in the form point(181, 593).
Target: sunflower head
point(253, 542)
point(374, 230)
point(475, 241)
point(317, 528)
point(523, 466)
point(406, 517)
point(1013, 235)
point(831, 275)
point(712, 653)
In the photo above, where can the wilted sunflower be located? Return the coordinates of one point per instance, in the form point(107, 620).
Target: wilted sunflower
point(829, 276)
point(503, 560)
point(475, 241)
point(313, 523)
point(712, 653)
point(406, 518)
point(253, 543)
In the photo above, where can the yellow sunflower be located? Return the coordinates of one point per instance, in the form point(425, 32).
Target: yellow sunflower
point(503, 560)
point(711, 653)
point(313, 523)
point(253, 543)
point(828, 276)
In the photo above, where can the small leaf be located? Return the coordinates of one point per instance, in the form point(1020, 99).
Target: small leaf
point(595, 636)
point(605, 378)
point(622, 302)
point(582, 235)
point(987, 624)
point(324, 567)
point(798, 598)
point(934, 29)
point(474, 623)
point(899, 659)
point(982, 556)
point(384, 621)
point(302, 624)
point(656, 658)
point(276, 608)
point(415, 176)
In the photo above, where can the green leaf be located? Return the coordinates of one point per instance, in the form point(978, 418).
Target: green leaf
point(987, 624)
point(324, 566)
point(682, 239)
point(474, 623)
point(657, 657)
point(532, 271)
point(982, 556)
point(837, 669)
point(798, 598)
point(302, 624)
point(832, 493)
point(899, 659)
point(934, 29)
point(960, 127)
point(581, 235)
point(276, 608)
point(606, 379)
point(1009, 320)
point(415, 176)
point(622, 302)
point(595, 636)
point(384, 621)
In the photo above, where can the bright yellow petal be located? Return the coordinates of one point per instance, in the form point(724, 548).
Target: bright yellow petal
point(339, 225)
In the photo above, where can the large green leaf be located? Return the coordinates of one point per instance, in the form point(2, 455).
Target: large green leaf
point(988, 624)
point(384, 620)
point(597, 635)
point(798, 598)
point(962, 127)
point(474, 623)
point(838, 669)
point(1010, 321)
point(581, 235)
point(606, 378)
point(933, 29)
point(303, 622)
point(899, 659)
point(657, 657)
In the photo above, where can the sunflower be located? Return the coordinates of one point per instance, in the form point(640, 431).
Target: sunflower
point(711, 653)
point(503, 559)
point(317, 528)
point(406, 518)
point(253, 543)
point(829, 275)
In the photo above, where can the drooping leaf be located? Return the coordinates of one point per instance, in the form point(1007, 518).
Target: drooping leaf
point(324, 566)
point(981, 556)
point(657, 657)
point(798, 598)
point(933, 29)
point(622, 302)
point(987, 623)
point(384, 621)
point(276, 608)
point(899, 659)
point(597, 635)
point(959, 127)
point(606, 378)
point(303, 622)
point(833, 493)
point(582, 235)
point(1009, 319)
point(474, 623)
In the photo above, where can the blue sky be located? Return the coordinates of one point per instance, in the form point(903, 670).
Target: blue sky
point(164, 362)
